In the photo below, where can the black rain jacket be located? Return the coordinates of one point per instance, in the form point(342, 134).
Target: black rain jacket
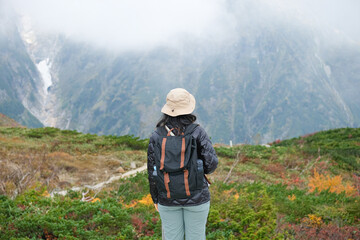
point(206, 153)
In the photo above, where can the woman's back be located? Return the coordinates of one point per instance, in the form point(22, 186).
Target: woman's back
point(185, 215)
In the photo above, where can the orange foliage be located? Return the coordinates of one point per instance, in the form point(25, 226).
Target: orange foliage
point(96, 200)
point(228, 192)
point(131, 205)
point(313, 221)
point(236, 196)
point(147, 200)
point(231, 193)
point(46, 194)
point(333, 184)
point(292, 197)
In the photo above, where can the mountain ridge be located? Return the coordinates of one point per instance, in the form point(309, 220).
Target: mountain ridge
point(272, 80)
point(5, 121)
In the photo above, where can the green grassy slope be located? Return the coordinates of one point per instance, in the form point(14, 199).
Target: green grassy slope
point(5, 121)
point(302, 188)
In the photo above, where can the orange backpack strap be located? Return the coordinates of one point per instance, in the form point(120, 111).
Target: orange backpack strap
point(166, 181)
point(186, 182)
point(163, 144)
point(182, 153)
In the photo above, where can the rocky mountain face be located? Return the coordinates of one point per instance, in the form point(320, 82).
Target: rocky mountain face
point(20, 97)
point(273, 79)
point(42, 49)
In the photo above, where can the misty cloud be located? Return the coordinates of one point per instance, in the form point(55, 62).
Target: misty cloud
point(129, 24)
point(339, 15)
point(143, 24)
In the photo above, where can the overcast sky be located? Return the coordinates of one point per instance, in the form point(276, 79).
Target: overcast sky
point(134, 24)
point(344, 15)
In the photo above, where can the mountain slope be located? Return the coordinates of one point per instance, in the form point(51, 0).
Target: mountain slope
point(8, 122)
point(277, 77)
point(18, 76)
point(269, 83)
point(344, 61)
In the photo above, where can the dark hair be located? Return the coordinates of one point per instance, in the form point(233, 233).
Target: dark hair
point(179, 122)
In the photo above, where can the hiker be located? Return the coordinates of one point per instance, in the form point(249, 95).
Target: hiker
point(179, 154)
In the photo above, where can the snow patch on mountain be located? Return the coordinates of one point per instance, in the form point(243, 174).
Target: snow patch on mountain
point(42, 49)
point(44, 69)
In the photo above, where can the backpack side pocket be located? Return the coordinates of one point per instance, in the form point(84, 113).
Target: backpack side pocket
point(199, 174)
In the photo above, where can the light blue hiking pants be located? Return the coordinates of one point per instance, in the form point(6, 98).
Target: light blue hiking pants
point(177, 221)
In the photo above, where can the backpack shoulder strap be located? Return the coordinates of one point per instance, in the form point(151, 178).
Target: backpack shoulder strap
point(191, 128)
point(161, 131)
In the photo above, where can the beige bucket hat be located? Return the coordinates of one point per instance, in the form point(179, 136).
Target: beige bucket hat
point(179, 102)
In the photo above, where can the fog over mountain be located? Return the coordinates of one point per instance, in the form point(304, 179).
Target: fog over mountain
point(260, 70)
point(136, 24)
point(130, 25)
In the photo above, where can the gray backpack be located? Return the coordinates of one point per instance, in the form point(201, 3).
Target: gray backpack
point(179, 172)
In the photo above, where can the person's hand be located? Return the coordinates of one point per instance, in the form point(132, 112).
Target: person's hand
point(156, 206)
